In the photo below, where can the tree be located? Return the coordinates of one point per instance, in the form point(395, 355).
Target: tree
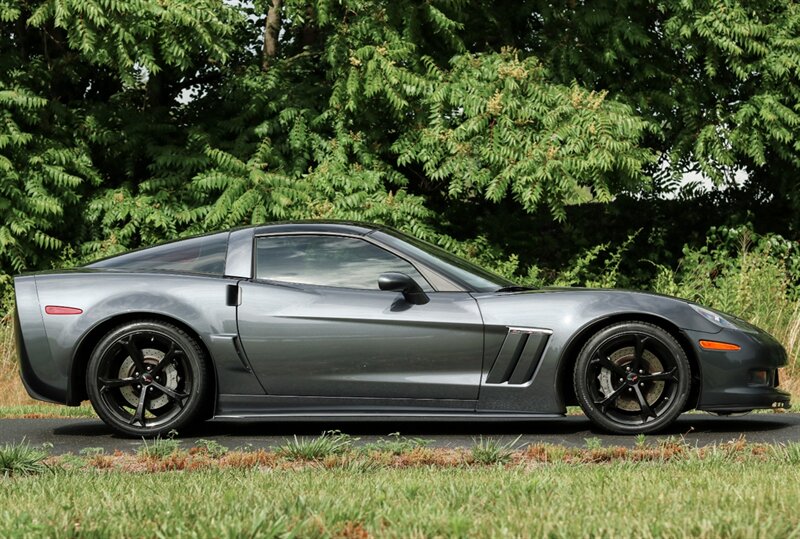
point(125, 123)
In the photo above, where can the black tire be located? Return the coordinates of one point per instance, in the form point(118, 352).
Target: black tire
point(632, 378)
point(147, 378)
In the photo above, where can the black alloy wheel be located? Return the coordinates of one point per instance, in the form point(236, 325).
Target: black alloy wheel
point(147, 378)
point(632, 377)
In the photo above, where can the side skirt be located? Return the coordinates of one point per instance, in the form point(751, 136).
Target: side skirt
point(389, 416)
point(361, 408)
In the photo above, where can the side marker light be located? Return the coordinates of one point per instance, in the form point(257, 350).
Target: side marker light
point(58, 309)
point(722, 346)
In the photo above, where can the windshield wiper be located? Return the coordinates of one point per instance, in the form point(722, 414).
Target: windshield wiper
point(514, 288)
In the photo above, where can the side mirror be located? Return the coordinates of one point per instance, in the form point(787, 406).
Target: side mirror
point(400, 282)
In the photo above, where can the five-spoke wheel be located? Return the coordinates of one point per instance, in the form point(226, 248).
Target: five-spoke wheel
point(146, 378)
point(632, 377)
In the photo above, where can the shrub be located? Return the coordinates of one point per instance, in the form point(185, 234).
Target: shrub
point(754, 277)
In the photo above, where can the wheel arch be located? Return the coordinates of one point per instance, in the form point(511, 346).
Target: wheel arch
point(573, 347)
point(77, 392)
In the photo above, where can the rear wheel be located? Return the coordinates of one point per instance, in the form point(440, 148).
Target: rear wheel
point(632, 377)
point(146, 378)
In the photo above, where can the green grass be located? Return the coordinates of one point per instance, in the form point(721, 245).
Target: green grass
point(396, 444)
point(44, 410)
point(21, 459)
point(714, 498)
point(492, 451)
point(327, 444)
point(159, 448)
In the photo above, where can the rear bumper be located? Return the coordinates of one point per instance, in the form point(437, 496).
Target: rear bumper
point(744, 379)
point(42, 379)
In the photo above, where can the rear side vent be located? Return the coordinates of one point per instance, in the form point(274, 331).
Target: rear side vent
point(519, 356)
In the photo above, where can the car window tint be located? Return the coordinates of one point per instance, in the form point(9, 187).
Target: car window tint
point(328, 261)
point(205, 254)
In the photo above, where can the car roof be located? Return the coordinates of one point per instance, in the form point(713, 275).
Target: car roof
point(342, 227)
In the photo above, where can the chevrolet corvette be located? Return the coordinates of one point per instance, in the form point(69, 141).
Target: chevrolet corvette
point(328, 320)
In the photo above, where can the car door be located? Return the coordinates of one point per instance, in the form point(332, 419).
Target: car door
point(314, 323)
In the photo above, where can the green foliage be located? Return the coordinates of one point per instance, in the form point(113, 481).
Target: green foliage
point(21, 459)
point(492, 451)
point(326, 444)
point(92, 451)
point(396, 444)
point(788, 453)
point(492, 129)
point(212, 448)
point(158, 448)
point(755, 277)
point(495, 126)
point(751, 498)
point(593, 443)
point(737, 271)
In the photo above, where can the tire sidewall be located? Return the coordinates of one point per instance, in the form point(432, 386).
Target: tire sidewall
point(629, 328)
point(194, 357)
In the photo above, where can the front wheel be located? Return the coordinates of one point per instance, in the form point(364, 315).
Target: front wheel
point(632, 377)
point(147, 378)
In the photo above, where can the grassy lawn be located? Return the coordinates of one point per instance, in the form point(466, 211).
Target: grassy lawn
point(326, 487)
point(698, 498)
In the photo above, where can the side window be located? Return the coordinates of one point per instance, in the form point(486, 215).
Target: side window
point(328, 261)
point(205, 254)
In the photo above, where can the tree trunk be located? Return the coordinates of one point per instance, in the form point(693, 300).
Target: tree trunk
point(308, 37)
point(272, 30)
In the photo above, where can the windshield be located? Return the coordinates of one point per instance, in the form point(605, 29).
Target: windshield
point(462, 271)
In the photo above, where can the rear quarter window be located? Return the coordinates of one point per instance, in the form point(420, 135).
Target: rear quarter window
point(204, 255)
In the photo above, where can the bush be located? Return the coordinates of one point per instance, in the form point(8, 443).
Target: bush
point(745, 274)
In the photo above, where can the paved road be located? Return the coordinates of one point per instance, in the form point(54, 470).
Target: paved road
point(72, 435)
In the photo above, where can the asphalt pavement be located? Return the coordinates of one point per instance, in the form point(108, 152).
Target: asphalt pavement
point(72, 435)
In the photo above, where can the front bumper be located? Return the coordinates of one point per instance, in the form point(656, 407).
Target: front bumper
point(741, 380)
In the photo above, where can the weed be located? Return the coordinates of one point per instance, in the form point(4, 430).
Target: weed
point(593, 443)
point(331, 442)
point(396, 444)
point(21, 459)
point(71, 461)
point(789, 453)
point(212, 448)
point(159, 448)
point(491, 451)
point(641, 441)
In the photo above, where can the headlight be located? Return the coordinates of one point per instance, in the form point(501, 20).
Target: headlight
point(714, 317)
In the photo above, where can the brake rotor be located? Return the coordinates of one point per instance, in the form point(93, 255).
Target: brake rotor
point(627, 401)
point(169, 376)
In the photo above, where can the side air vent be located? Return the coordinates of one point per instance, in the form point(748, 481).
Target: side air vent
point(519, 356)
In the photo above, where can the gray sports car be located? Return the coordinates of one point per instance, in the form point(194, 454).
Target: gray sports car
point(310, 320)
